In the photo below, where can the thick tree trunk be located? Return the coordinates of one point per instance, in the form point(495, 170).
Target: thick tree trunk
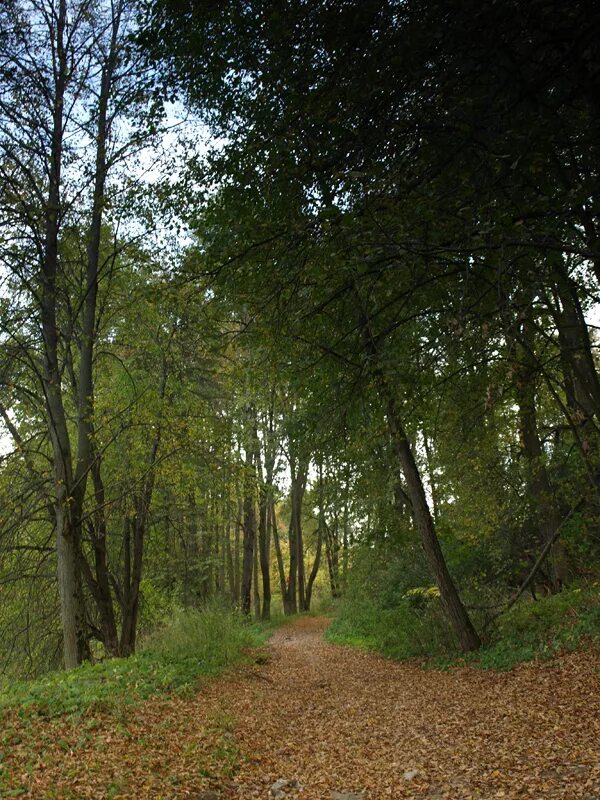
point(255, 590)
point(230, 566)
point(457, 614)
point(218, 557)
point(99, 582)
point(126, 613)
point(75, 641)
point(265, 560)
point(301, 563)
point(71, 484)
point(278, 554)
point(239, 529)
point(290, 603)
point(315, 567)
point(453, 606)
point(321, 525)
point(249, 535)
point(576, 350)
point(332, 547)
point(67, 532)
point(296, 577)
point(263, 528)
point(346, 543)
point(545, 509)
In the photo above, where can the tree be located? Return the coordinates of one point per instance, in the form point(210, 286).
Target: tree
point(67, 83)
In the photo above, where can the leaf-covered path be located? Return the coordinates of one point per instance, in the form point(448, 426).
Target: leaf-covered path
point(337, 720)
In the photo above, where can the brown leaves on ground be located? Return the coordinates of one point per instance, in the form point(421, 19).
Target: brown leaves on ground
point(335, 720)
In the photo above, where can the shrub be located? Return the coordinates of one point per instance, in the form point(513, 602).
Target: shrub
point(191, 645)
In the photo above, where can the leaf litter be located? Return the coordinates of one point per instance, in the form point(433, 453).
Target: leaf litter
point(322, 721)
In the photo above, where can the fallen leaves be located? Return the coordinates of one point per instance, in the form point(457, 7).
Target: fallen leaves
point(335, 721)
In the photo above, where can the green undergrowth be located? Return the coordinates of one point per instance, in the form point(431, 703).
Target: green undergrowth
point(541, 630)
point(416, 628)
point(193, 645)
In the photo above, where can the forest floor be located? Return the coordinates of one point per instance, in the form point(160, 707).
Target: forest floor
point(318, 721)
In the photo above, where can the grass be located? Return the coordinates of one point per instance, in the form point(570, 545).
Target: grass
point(195, 644)
point(530, 630)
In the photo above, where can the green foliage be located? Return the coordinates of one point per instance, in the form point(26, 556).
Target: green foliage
point(402, 632)
point(194, 644)
point(415, 626)
point(532, 630)
point(389, 607)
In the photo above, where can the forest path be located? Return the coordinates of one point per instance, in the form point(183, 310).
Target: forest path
point(341, 722)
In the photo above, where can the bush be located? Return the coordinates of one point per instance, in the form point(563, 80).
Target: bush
point(388, 607)
point(544, 628)
point(192, 645)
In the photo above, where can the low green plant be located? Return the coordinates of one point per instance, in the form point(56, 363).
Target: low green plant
point(192, 645)
point(415, 626)
point(541, 629)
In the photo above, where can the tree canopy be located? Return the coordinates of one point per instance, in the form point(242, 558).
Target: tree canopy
point(362, 364)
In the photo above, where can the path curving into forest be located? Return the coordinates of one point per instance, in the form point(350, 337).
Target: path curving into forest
point(342, 723)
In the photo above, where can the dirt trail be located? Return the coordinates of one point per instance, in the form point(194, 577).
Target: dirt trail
point(337, 719)
point(340, 720)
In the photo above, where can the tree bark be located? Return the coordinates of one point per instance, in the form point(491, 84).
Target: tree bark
point(75, 647)
point(576, 350)
point(295, 592)
point(99, 583)
point(255, 592)
point(249, 539)
point(545, 509)
point(265, 560)
point(278, 554)
point(332, 547)
point(453, 606)
point(320, 527)
point(263, 528)
point(239, 529)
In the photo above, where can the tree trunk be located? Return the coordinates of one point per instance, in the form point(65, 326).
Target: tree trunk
point(332, 547)
point(263, 528)
point(296, 577)
point(576, 350)
point(317, 562)
point(346, 543)
point(71, 488)
point(230, 565)
point(265, 560)
point(67, 533)
point(301, 563)
point(239, 528)
point(75, 642)
point(290, 604)
point(138, 526)
point(545, 512)
point(278, 554)
point(255, 592)
point(249, 535)
point(315, 567)
point(453, 606)
point(99, 583)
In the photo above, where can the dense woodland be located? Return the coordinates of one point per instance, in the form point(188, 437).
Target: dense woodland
point(298, 304)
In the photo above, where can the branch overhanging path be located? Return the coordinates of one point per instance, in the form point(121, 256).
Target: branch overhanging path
point(338, 722)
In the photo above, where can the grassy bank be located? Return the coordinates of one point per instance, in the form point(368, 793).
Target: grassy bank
point(416, 627)
point(193, 645)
